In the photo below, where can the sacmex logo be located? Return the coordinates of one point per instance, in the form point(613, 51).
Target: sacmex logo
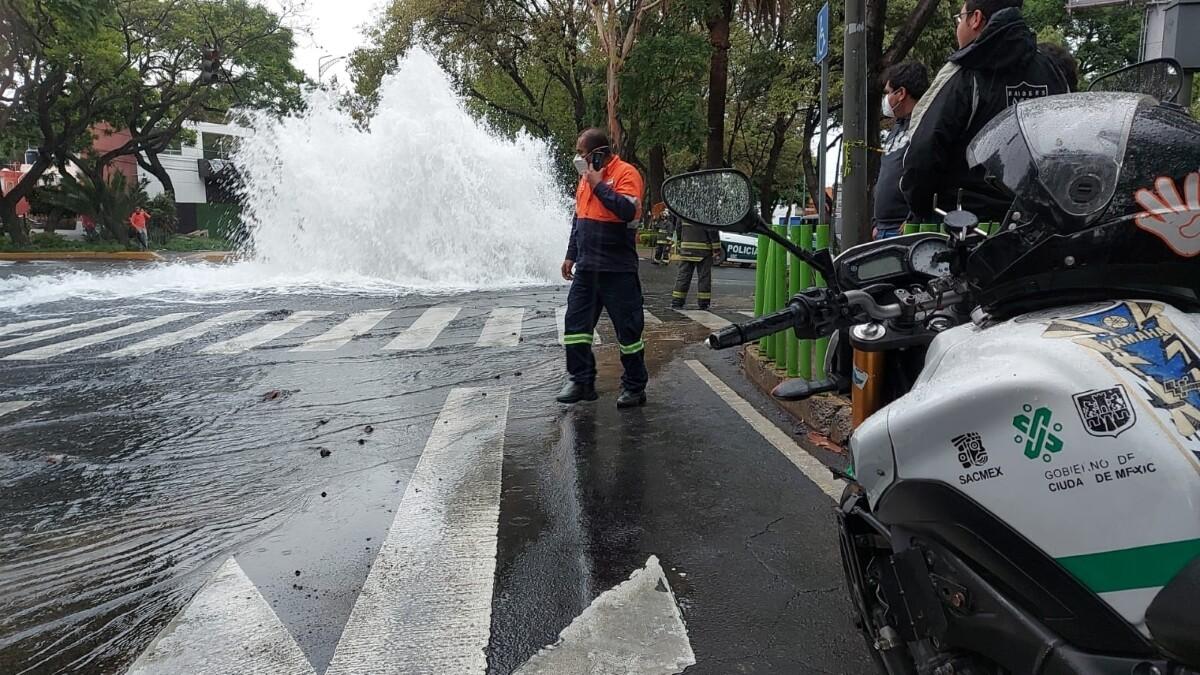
point(1039, 432)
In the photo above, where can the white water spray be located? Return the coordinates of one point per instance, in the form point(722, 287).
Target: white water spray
point(425, 200)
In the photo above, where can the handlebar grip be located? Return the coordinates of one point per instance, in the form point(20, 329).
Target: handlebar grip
point(769, 324)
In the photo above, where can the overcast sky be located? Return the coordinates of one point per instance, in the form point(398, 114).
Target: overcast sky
point(335, 28)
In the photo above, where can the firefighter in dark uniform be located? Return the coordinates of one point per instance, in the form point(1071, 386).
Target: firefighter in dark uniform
point(664, 227)
point(698, 246)
point(602, 265)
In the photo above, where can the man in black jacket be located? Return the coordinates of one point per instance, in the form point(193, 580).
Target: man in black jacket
point(996, 66)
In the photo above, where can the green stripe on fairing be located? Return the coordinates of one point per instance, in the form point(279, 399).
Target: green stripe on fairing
point(1130, 568)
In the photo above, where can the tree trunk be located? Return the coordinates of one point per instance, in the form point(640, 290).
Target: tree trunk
point(766, 191)
point(152, 164)
point(614, 101)
point(658, 172)
point(13, 223)
point(718, 83)
point(8, 202)
point(811, 183)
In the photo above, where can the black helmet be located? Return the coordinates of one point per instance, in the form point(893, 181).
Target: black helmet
point(1106, 202)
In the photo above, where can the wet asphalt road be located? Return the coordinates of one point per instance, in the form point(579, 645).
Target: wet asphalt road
point(128, 480)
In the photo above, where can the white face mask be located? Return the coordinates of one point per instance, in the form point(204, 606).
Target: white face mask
point(581, 165)
point(887, 107)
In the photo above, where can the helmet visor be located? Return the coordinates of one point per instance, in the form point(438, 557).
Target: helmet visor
point(1062, 152)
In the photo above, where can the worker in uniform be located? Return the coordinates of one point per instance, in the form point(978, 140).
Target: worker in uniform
point(698, 246)
point(602, 266)
point(663, 226)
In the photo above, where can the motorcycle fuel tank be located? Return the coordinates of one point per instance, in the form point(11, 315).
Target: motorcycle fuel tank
point(1078, 427)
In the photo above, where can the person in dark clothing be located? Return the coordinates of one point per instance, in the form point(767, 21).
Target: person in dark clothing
point(664, 229)
point(602, 264)
point(1065, 61)
point(903, 85)
point(997, 65)
point(697, 248)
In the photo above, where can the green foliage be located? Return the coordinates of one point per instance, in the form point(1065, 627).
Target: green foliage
point(186, 244)
point(109, 202)
point(163, 219)
point(48, 241)
point(1102, 39)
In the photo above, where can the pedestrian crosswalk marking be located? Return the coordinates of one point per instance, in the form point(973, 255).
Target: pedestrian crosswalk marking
point(64, 330)
point(704, 318)
point(344, 332)
point(503, 328)
point(426, 605)
point(59, 348)
point(27, 325)
point(179, 336)
point(7, 407)
point(263, 334)
point(423, 331)
point(561, 316)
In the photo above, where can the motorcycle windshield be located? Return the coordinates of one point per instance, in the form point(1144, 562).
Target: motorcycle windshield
point(1064, 152)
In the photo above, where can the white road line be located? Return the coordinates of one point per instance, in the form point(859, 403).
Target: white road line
point(339, 335)
point(7, 407)
point(809, 465)
point(227, 627)
point(426, 605)
point(64, 330)
point(503, 328)
point(704, 318)
point(263, 334)
point(167, 339)
point(560, 315)
point(61, 348)
point(650, 318)
point(423, 331)
point(26, 325)
point(745, 313)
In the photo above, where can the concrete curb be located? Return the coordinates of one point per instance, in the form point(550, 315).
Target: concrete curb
point(825, 414)
point(139, 256)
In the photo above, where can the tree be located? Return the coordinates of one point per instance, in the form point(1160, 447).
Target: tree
point(1101, 38)
point(617, 32)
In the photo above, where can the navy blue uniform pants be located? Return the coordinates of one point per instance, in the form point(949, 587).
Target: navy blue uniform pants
point(620, 293)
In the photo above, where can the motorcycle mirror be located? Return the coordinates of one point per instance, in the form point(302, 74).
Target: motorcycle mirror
point(1160, 78)
point(716, 198)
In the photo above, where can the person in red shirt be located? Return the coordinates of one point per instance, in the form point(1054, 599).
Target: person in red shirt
point(138, 220)
point(602, 266)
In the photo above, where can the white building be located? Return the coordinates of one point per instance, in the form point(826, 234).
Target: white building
point(183, 163)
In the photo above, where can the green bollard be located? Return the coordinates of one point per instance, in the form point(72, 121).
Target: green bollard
point(821, 345)
point(760, 275)
point(767, 344)
point(929, 227)
point(806, 282)
point(910, 228)
point(793, 345)
point(781, 295)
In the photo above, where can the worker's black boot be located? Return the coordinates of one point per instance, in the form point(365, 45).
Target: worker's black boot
point(703, 305)
point(574, 392)
point(631, 399)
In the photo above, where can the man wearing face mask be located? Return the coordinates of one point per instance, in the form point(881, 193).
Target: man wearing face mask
point(996, 66)
point(903, 85)
point(602, 265)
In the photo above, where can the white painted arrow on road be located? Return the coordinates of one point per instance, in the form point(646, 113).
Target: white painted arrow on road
point(635, 627)
point(226, 629)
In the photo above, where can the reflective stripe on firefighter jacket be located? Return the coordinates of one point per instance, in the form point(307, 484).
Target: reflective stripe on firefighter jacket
point(601, 239)
point(697, 243)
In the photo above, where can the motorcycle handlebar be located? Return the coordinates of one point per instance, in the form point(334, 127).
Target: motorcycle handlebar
point(797, 313)
point(769, 324)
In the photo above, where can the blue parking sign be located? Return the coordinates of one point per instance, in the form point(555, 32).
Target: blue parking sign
point(822, 33)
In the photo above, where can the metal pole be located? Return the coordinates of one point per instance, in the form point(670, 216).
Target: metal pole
point(855, 198)
point(822, 216)
point(806, 282)
point(760, 276)
point(794, 266)
point(1184, 97)
point(822, 344)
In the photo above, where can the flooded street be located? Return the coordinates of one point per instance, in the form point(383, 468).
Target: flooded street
point(140, 455)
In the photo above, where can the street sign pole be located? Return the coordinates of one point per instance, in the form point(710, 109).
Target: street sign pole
point(854, 216)
point(823, 59)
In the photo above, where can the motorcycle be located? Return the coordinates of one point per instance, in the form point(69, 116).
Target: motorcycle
point(1024, 490)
